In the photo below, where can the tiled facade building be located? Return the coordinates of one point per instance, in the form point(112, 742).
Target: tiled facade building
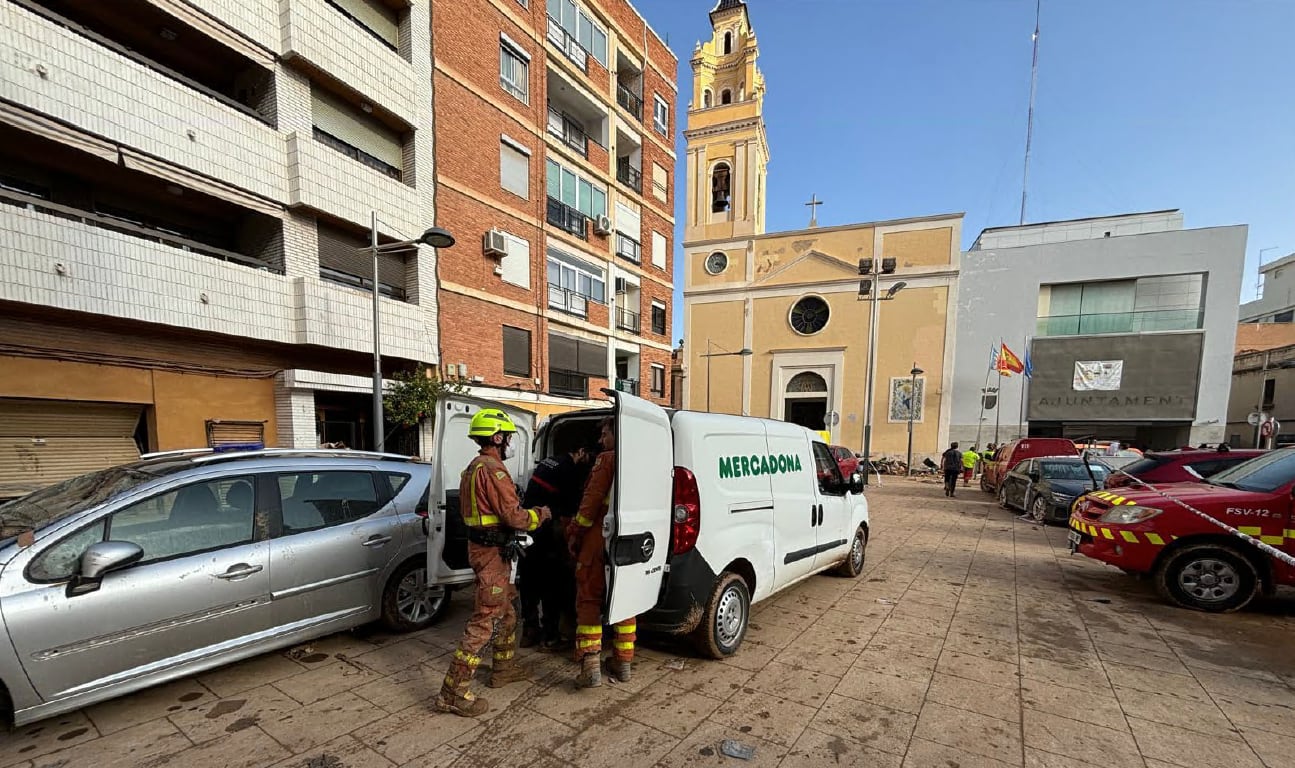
point(186, 191)
point(555, 127)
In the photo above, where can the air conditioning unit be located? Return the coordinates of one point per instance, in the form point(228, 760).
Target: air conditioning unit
point(621, 285)
point(602, 225)
point(495, 244)
point(463, 370)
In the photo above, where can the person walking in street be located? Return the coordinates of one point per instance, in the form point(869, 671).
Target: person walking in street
point(585, 537)
point(492, 514)
point(951, 466)
point(970, 458)
point(546, 576)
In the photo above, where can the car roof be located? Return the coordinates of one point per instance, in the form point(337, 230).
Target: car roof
point(175, 461)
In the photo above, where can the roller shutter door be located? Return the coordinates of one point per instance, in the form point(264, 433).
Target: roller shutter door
point(43, 442)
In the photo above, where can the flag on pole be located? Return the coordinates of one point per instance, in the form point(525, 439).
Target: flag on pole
point(1009, 363)
point(1029, 366)
point(993, 357)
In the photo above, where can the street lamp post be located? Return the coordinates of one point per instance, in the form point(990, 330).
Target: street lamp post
point(740, 353)
point(873, 269)
point(912, 408)
point(436, 238)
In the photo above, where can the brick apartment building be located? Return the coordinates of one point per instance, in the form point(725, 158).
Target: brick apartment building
point(561, 281)
point(185, 198)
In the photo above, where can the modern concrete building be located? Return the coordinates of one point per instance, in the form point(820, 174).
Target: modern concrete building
point(1129, 322)
point(555, 125)
point(186, 191)
point(792, 298)
point(1276, 301)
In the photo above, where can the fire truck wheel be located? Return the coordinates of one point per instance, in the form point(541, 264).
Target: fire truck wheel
point(1207, 577)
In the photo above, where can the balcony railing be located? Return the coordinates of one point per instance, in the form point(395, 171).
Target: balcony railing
point(567, 300)
point(359, 281)
point(570, 47)
point(630, 101)
point(630, 386)
point(567, 219)
point(355, 153)
point(1144, 321)
point(568, 383)
point(628, 248)
point(568, 131)
point(629, 175)
point(627, 320)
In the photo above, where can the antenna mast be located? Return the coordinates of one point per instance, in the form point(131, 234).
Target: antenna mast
point(1029, 125)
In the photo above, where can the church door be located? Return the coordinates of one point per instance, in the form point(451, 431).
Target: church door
point(805, 400)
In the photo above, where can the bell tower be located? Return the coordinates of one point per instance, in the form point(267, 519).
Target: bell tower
point(727, 147)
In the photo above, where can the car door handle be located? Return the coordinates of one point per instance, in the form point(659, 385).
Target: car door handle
point(239, 571)
point(820, 514)
point(813, 515)
point(375, 541)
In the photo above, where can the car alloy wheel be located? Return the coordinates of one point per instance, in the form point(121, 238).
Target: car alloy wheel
point(415, 599)
point(1039, 509)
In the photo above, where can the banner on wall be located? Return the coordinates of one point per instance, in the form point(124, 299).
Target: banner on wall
point(1098, 375)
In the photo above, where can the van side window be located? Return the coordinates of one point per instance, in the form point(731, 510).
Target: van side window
point(829, 472)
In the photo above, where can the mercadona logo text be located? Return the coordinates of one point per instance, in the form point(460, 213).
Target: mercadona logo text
point(748, 466)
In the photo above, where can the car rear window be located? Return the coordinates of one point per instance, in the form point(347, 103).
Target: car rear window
point(1144, 464)
point(1264, 474)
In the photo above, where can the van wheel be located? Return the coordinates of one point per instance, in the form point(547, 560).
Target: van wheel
point(409, 603)
point(727, 614)
point(1207, 577)
point(852, 565)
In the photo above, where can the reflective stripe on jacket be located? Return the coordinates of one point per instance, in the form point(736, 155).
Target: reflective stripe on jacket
point(488, 498)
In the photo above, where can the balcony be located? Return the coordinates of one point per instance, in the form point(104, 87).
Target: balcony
point(1140, 321)
point(627, 320)
point(357, 154)
point(567, 219)
point(564, 42)
point(568, 131)
point(567, 300)
point(568, 383)
point(629, 386)
point(630, 101)
point(317, 167)
point(629, 175)
point(628, 248)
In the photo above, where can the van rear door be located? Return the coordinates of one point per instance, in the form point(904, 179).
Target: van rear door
point(447, 546)
point(639, 539)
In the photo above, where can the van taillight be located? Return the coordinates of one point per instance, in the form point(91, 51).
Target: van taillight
point(685, 511)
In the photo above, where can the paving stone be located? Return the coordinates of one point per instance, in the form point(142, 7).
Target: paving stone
point(896, 693)
point(1035, 758)
point(915, 644)
point(1092, 677)
point(246, 748)
point(324, 681)
point(1195, 715)
point(45, 736)
point(412, 732)
point(1081, 741)
point(717, 681)
point(928, 754)
point(764, 716)
point(1142, 679)
point(894, 660)
point(615, 742)
point(1180, 746)
point(815, 749)
point(150, 704)
point(669, 709)
point(1276, 750)
point(1084, 706)
point(970, 731)
point(344, 752)
point(702, 749)
point(1140, 657)
point(953, 691)
point(995, 649)
point(531, 740)
point(394, 657)
point(799, 685)
point(212, 719)
point(321, 721)
point(572, 707)
point(980, 669)
point(412, 685)
point(128, 748)
point(253, 673)
point(874, 726)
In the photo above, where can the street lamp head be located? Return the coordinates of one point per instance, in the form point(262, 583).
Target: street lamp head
point(896, 288)
point(916, 371)
point(745, 352)
point(437, 238)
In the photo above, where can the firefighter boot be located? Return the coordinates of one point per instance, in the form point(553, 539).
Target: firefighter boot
point(456, 695)
point(619, 670)
point(591, 673)
point(506, 671)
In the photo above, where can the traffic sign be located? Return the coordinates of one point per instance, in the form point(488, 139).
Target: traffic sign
point(831, 419)
point(1256, 418)
point(1269, 428)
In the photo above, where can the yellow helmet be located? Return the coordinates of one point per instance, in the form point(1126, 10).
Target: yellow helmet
point(489, 421)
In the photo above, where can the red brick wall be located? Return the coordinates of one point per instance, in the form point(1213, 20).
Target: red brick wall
point(472, 333)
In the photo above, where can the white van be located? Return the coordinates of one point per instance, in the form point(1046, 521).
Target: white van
point(710, 512)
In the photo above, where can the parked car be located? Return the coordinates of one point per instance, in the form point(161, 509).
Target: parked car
point(1010, 454)
point(845, 459)
point(140, 574)
point(1194, 562)
point(1046, 487)
point(1173, 466)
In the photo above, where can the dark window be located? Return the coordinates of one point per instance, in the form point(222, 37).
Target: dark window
point(313, 500)
point(658, 319)
point(719, 188)
point(1270, 391)
point(397, 481)
point(809, 315)
point(829, 472)
point(517, 351)
point(344, 257)
point(1284, 317)
point(658, 380)
point(726, 96)
point(728, 43)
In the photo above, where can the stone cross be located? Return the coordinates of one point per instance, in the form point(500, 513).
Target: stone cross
point(813, 204)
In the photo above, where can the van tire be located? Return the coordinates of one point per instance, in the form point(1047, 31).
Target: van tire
point(728, 612)
point(409, 603)
point(1207, 577)
point(852, 565)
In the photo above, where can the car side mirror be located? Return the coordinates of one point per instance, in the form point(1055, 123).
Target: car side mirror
point(855, 483)
point(100, 559)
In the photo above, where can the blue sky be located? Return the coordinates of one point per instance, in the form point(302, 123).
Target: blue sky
point(894, 108)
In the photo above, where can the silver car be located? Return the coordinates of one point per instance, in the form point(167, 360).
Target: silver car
point(136, 575)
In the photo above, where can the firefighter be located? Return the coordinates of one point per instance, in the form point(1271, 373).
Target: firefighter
point(492, 513)
point(546, 576)
point(585, 538)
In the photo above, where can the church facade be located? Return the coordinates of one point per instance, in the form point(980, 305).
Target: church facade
point(774, 323)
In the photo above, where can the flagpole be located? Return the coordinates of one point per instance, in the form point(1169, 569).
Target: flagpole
point(981, 422)
point(1025, 382)
point(998, 410)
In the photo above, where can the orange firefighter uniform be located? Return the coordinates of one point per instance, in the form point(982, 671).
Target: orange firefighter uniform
point(586, 541)
point(491, 511)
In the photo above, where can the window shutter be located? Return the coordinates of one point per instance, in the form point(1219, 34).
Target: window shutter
point(517, 264)
point(517, 351)
point(562, 352)
point(349, 253)
point(628, 221)
point(660, 182)
point(592, 359)
point(658, 250)
point(376, 17)
point(514, 171)
point(337, 118)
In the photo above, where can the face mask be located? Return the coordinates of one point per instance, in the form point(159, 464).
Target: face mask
point(506, 450)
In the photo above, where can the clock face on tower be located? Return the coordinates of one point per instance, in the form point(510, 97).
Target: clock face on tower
point(716, 263)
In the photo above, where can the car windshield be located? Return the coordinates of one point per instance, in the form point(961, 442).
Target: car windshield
point(1072, 470)
point(1263, 474)
point(71, 496)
